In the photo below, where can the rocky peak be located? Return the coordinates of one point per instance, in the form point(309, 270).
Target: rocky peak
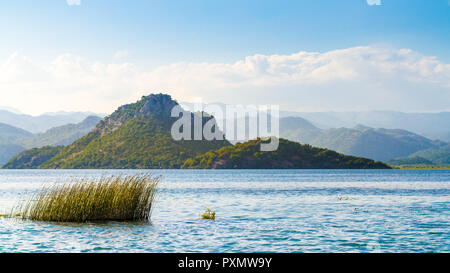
point(157, 104)
point(152, 105)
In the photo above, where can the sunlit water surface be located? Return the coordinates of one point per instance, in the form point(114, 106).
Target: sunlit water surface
point(257, 211)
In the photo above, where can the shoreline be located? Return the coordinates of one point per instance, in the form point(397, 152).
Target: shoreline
point(421, 167)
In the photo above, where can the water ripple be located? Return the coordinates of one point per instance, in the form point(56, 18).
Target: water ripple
point(257, 211)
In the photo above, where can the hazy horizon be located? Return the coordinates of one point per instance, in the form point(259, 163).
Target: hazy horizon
point(61, 112)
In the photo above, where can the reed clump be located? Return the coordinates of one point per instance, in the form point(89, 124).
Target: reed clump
point(209, 214)
point(114, 198)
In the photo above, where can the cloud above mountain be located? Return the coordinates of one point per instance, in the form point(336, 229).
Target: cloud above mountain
point(357, 78)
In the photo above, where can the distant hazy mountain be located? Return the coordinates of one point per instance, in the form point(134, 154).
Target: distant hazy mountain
point(8, 136)
point(432, 125)
point(444, 136)
point(359, 140)
point(7, 151)
point(10, 109)
point(298, 129)
point(62, 135)
point(363, 141)
point(10, 133)
point(439, 155)
point(39, 124)
point(416, 160)
point(296, 123)
point(14, 140)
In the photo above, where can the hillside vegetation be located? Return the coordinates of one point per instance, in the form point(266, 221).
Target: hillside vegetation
point(138, 144)
point(33, 158)
point(439, 156)
point(290, 155)
point(417, 160)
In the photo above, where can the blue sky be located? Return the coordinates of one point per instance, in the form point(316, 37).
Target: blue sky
point(159, 32)
point(149, 35)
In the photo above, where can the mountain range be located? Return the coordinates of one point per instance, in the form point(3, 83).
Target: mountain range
point(61, 135)
point(363, 141)
point(44, 122)
point(138, 135)
point(14, 140)
point(435, 126)
point(391, 135)
point(439, 155)
point(148, 119)
point(10, 133)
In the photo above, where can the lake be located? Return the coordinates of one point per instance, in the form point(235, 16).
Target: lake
point(256, 211)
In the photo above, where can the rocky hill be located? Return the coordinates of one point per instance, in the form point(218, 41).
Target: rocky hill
point(136, 135)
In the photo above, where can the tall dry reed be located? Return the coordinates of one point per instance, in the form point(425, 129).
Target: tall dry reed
point(114, 198)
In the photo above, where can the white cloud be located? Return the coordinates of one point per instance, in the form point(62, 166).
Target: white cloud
point(374, 2)
point(73, 2)
point(121, 54)
point(358, 78)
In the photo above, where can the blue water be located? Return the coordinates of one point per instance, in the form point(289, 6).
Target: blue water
point(257, 211)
